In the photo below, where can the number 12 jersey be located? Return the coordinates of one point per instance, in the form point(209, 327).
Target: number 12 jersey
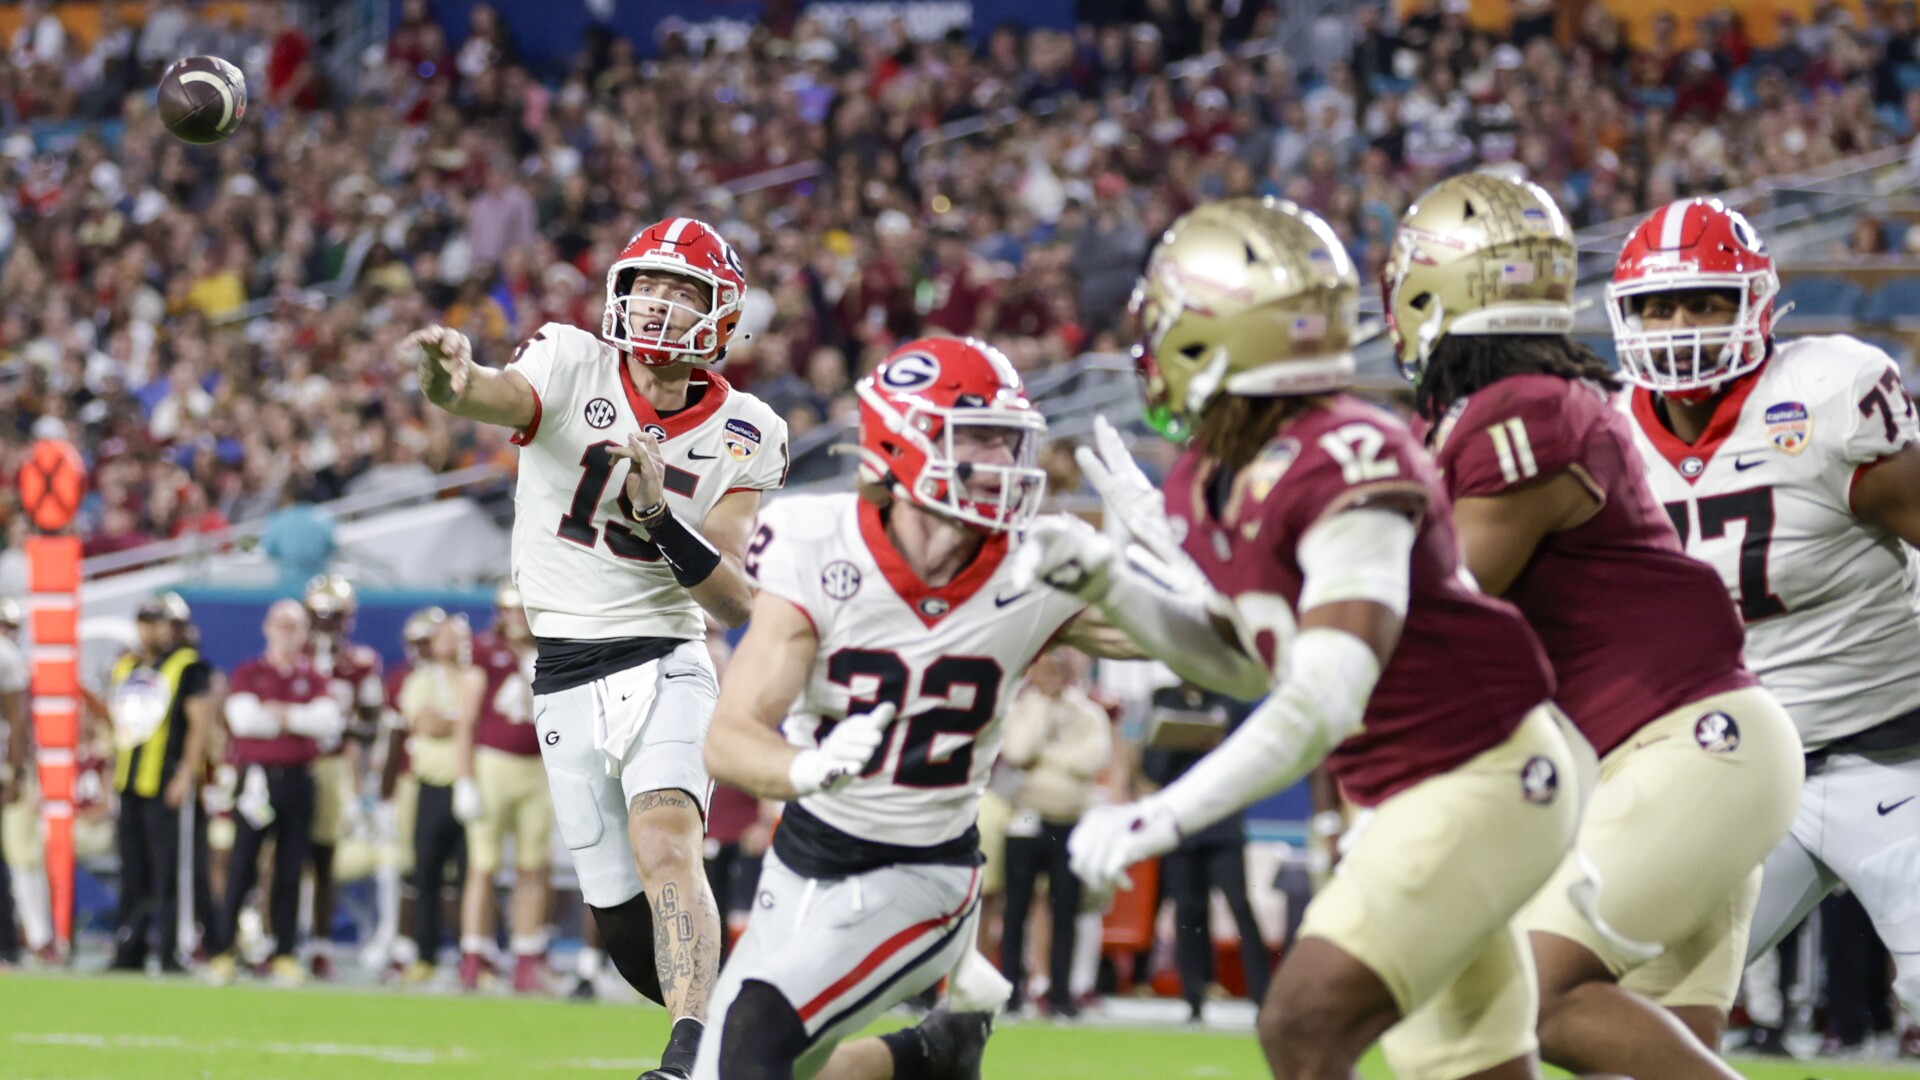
point(1765, 497)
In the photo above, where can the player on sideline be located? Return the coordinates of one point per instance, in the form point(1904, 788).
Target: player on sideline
point(614, 571)
point(1792, 468)
point(352, 671)
point(888, 634)
point(1551, 504)
point(1320, 517)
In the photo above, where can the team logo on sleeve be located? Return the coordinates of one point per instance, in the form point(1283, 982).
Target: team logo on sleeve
point(743, 439)
point(1717, 733)
point(599, 413)
point(1539, 780)
point(1789, 425)
point(840, 580)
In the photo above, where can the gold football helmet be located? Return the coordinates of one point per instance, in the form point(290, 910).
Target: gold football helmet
point(1254, 297)
point(1478, 253)
point(421, 624)
point(330, 598)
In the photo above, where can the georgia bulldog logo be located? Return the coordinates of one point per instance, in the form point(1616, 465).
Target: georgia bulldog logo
point(599, 413)
point(1539, 780)
point(1717, 733)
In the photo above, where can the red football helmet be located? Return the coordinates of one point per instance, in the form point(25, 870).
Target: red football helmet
point(1687, 245)
point(945, 423)
point(639, 324)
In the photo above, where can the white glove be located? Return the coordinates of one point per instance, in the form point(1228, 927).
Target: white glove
point(1111, 838)
point(466, 800)
point(842, 754)
point(1128, 494)
point(1064, 553)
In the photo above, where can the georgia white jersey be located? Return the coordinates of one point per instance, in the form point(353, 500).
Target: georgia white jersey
point(581, 572)
point(948, 658)
point(1832, 605)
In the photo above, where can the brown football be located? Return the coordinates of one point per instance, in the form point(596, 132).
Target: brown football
point(202, 99)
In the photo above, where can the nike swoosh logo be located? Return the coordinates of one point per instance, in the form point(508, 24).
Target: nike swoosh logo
point(1885, 809)
point(1743, 466)
point(683, 675)
point(1650, 742)
point(697, 456)
point(1003, 601)
point(625, 696)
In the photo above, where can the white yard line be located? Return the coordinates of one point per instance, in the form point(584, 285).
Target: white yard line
point(393, 1055)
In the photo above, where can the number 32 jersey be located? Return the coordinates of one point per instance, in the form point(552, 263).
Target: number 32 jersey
point(949, 658)
point(1765, 497)
point(582, 573)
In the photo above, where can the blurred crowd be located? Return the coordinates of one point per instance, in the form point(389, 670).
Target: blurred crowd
point(215, 326)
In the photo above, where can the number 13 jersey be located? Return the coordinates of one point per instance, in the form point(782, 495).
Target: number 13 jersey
point(582, 573)
point(1765, 497)
point(949, 658)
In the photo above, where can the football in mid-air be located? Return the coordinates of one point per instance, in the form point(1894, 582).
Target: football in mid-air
point(202, 99)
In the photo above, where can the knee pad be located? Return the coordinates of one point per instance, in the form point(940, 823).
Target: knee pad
point(626, 935)
point(762, 1036)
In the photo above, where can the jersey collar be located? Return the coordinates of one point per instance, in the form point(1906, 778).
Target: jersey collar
point(684, 420)
point(928, 603)
point(1726, 417)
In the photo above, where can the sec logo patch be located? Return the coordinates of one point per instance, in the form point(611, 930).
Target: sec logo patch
point(840, 580)
point(599, 413)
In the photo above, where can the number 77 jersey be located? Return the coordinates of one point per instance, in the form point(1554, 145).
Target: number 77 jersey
point(1765, 497)
point(948, 658)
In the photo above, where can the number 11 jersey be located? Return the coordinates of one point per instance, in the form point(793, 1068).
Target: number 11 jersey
point(582, 573)
point(1766, 497)
point(949, 659)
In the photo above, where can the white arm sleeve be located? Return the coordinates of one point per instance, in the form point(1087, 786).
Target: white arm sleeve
point(1167, 615)
point(1359, 554)
point(1313, 711)
point(247, 718)
point(322, 719)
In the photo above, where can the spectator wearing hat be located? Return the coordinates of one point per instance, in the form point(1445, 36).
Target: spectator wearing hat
point(160, 701)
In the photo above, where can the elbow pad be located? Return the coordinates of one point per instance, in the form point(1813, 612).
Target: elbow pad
point(248, 719)
point(1358, 554)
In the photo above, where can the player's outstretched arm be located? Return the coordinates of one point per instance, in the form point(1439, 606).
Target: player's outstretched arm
point(1888, 494)
point(769, 669)
point(443, 359)
point(1357, 580)
point(1158, 606)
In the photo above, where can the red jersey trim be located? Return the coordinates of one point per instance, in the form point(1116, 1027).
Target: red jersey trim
point(908, 585)
point(525, 436)
point(686, 419)
point(1726, 416)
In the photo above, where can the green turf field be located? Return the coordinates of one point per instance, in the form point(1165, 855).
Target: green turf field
point(99, 1028)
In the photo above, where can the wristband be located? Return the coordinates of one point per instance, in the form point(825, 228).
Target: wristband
point(692, 559)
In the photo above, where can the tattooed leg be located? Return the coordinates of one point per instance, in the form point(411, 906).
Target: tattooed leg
point(668, 838)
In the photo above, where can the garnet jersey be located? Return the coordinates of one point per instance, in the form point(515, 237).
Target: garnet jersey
point(352, 671)
point(1634, 627)
point(506, 708)
point(1765, 497)
point(1466, 670)
point(582, 573)
point(295, 686)
point(948, 658)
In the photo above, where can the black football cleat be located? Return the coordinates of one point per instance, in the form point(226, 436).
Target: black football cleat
point(955, 1043)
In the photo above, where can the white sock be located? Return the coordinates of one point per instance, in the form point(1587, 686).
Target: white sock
point(474, 943)
point(406, 952)
point(587, 965)
point(31, 898)
point(1086, 952)
point(528, 944)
